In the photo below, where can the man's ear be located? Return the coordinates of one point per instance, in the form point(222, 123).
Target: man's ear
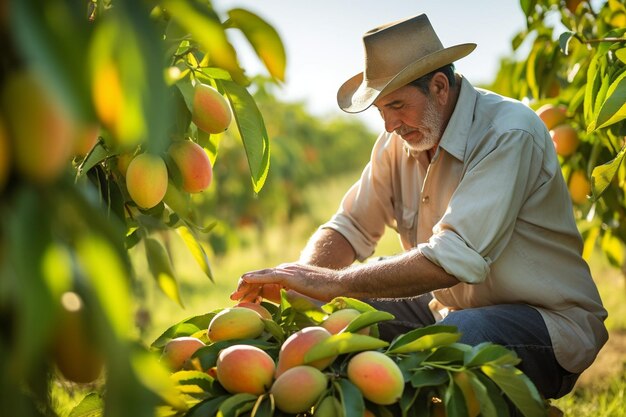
point(440, 87)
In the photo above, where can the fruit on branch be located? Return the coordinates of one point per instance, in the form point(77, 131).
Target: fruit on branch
point(377, 376)
point(338, 320)
point(193, 164)
point(177, 352)
point(297, 345)
point(565, 139)
point(579, 186)
point(86, 138)
point(210, 111)
point(40, 130)
point(146, 180)
point(263, 312)
point(298, 389)
point(235, 323)
point(551, 115)
point(245, 369)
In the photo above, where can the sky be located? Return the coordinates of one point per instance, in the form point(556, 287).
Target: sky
point(323, 40)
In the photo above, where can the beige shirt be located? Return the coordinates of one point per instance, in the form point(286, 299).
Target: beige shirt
point(493, 210)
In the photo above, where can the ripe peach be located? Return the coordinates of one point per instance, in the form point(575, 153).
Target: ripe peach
point(338, 320)
point(579, 187)
point(297, 345)
point(146, 180)
point(328, 407)
point(193, 164)
point(5, 159)
point(377, 376)
point(298, 389)
point(235, 323)
point(41, 131)
point(565, 139)
point(179, 350)
point(210, 111)
point(245, 368)
point(85, 139)
point(551, 115)
point(263, 312)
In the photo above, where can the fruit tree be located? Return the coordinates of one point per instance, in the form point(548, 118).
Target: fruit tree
point(573, 68)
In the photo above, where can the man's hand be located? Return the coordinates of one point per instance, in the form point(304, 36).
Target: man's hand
point(315, 282)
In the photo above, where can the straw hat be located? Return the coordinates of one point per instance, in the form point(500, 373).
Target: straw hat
point(396, 54)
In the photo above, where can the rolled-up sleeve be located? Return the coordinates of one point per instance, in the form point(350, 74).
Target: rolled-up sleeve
point(481, 215)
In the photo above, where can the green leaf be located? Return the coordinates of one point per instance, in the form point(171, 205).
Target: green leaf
point(209, 407)
point(454, 400)
point(452, 353)
point(264, 406)
point(408, 363)
point(185, 327)
point(200, 379)
point(487, 408)
point(602, 175)
point(518, 388)
point(621, 54)
point(161, 268)
point(489, 353)
point(339, 303)
point(367, 319)
point(91, 405)
point(274, 329)
point(409, 394)
point(196, 249)
point(613, 109)
point(613, 248)
point(495, 395)
point(264, 40)
point(205, 27)
point(341, 343)
point(351, 398)
point(425, 338)
point(236, 405)
point(564, 40)
point(252, 129)
point(429, 377)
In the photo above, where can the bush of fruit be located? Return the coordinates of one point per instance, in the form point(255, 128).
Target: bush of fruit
point(297, 358)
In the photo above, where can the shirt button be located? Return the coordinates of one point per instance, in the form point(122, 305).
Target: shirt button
point(425, 199)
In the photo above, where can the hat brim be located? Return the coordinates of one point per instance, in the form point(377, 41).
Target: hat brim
point(356, 95)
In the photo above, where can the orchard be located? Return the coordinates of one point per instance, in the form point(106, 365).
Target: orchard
point(112, 113)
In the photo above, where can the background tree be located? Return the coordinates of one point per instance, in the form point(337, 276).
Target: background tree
point(572, 60)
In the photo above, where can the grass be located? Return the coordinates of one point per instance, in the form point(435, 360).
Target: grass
point(600, 391)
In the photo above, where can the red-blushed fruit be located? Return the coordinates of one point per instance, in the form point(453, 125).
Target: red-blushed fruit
point(245, 369)
point(297, 345)
point(179, 350)
point(263, 312)
point(377, 376)
point(235, 323)
point(551, 115)
point(193, 164)
point(146, 180)
point(339, 319)
point(210, 110)
point(298, 389)
point(565, 139)
point(41, 132)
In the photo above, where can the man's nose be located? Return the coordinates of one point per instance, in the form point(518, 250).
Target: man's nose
point(391, 122)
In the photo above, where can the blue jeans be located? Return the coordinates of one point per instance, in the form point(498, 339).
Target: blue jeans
point(518, 327)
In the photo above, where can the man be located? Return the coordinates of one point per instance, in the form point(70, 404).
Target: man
point(471, 182)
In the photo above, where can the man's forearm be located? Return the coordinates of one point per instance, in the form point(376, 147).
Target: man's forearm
point(329, 249)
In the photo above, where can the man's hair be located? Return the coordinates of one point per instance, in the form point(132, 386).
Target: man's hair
point(423, 81)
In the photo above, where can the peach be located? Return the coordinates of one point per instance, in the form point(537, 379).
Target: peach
point(565, 139)
point(193, 164)
point(85, 139)
point(210, 110)
point(338, 320)
point(179, 350)
point(40, 130)
point(377, 376)
point(245, 368)
point(297, 345)
point(298, 389)
point(551, 115)
point(146, 180)
point(235, 323)
point(263, 312)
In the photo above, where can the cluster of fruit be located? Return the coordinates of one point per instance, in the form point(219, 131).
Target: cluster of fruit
point(298, 358)
point(566, 142)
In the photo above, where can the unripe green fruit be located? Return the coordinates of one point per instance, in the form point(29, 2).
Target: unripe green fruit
point(146, 180)
point(210, 111)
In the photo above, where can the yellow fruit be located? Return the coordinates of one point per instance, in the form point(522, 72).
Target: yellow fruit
point(245, 369)
point(179, 350)
point(338, 320)
point(296, 346)
point(579, 187)
point(41, 132)
point(146, 180)
point(263, 312)
point(565, 139)
point(210, 110)
point(298, 389)
point(377, 376)
point(193, 164)
point(551, 115)
point(235, 323)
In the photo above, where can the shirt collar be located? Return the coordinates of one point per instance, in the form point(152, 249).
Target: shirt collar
point(455, 137)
